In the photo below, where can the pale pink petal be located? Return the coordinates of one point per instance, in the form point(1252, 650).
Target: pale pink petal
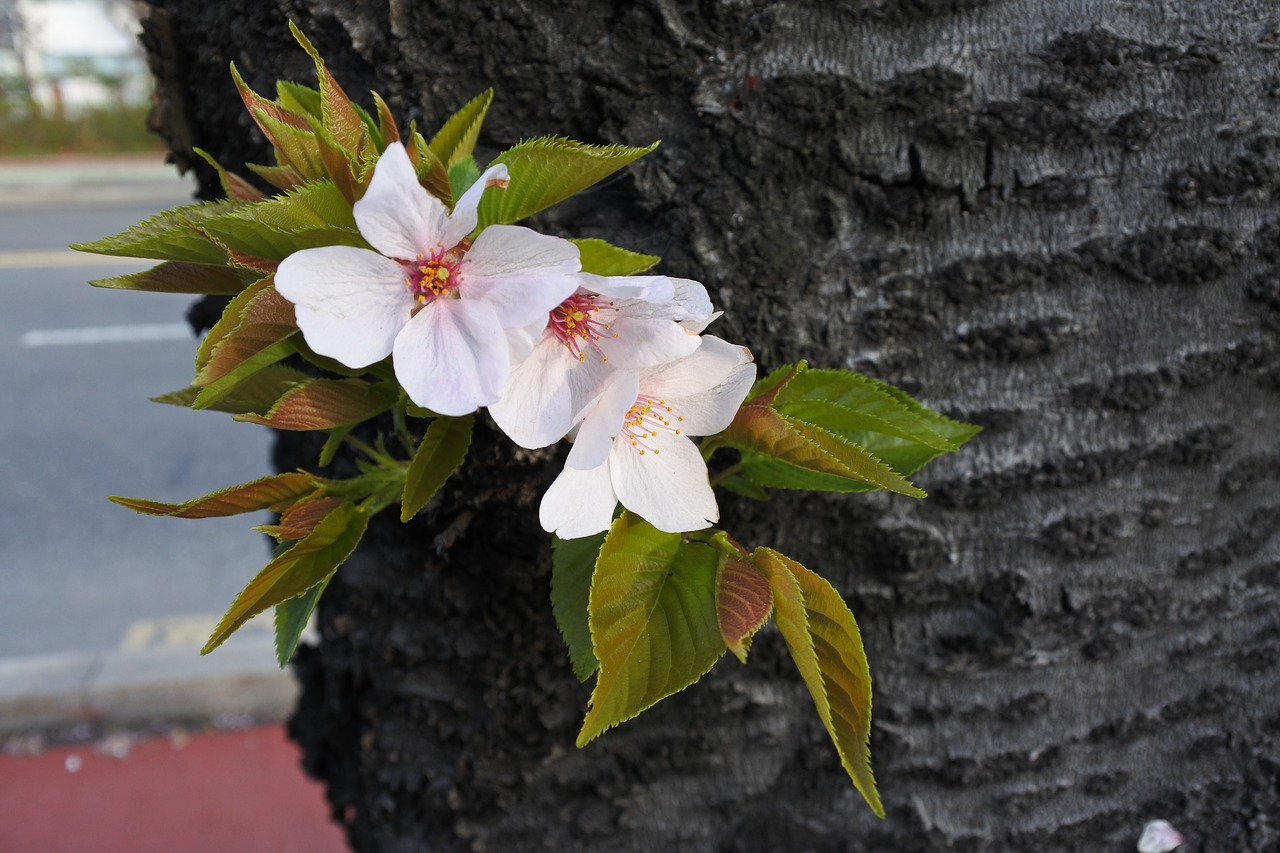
point(350, 303)
point(536, 407)
point(464, 217)
point(452, 357)
point(640, 343)
point(523, 339)
point(711, 411)
point(651, 288)
point(579, 503)
point(708, 367)
point(603, 421)
point(522, 274)
point(396, 215)
point(695, 306)
point(667, 485)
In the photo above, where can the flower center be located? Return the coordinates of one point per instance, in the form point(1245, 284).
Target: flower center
point(644, 419)
point(575, 324)
point(436, 277)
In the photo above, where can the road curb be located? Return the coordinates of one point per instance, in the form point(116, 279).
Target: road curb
point(239, 680)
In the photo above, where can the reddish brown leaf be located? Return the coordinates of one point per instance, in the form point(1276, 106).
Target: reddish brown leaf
point(254, 102)
point(283, 178)
point(321, 404)
point(300, 519)
point(178, 277)
point(743, 603)
point(386, 121)
point(275, 492)
point(254, 320)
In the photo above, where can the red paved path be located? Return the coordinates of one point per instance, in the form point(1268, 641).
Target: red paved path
point(240, 791)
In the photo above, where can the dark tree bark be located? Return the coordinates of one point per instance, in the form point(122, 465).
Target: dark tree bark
point(1054, 219)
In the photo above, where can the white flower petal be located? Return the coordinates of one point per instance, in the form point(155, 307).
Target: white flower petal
point(579, 503)
point(711, 411)
point(708, 367)
point(523, 339)
point(695, 305)
point(464, 217)
point(522, 274)
point(396, 215)
point(651, 288)
point(536, 407)
point(452, 356)
point(640, 343)
point(603, 421)
point(667, 486)
point(350, 303)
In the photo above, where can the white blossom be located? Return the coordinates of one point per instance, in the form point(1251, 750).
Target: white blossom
point(441, 304)
point(610, 323)
point(632, 444)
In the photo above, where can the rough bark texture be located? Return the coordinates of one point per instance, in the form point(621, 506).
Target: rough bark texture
point(1053, 219)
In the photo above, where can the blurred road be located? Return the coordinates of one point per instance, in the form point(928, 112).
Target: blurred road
point(77, 365)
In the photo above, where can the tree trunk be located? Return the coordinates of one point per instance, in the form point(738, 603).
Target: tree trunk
point(1052, 219)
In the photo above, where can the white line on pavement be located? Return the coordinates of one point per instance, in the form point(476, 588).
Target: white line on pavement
point(107, 335)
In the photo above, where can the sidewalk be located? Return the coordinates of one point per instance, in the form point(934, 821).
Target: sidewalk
point(91, 179)
point(156, 749)
point(209, 792)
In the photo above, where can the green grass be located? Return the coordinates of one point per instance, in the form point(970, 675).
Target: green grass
point(112, 130)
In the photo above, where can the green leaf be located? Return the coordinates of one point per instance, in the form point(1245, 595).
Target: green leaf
point(573, 561)
point(275, 493)
point(310, 562)
point(457, 139)
point(283, 178)
point(431, 172)
point(791, 454)
point(291, 620)
point(743, 604)
point(652, 618)
point(295, 147)
point(462, 175)
point(339, 117)
point(331, 445)
point(767, 388)
point(298, 98)
point(178, 277)
point(868, 406)
point(604, 258)
point(243, 371)
point(168, 236)
point(441, 452)
point(324, 404)
point(253, 332)
point(387, 130)
point(257, 394)
point(315, 214)
point(826, 646)
point(548, 170)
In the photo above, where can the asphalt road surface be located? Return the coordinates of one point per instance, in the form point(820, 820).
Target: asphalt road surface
point(77, 365)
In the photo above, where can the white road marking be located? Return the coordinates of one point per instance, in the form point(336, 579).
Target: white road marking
point(107, 335)
point(59, 258)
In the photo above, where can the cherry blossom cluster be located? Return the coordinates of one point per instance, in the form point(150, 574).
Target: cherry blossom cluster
point(509, 321)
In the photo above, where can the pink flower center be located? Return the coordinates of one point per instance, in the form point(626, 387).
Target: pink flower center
point(644, 419)
point(575, 324)
point(435, 277)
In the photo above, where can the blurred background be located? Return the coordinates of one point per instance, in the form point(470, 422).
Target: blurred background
point(102, 614)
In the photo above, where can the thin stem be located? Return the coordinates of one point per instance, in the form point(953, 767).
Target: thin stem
point(721, 476)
